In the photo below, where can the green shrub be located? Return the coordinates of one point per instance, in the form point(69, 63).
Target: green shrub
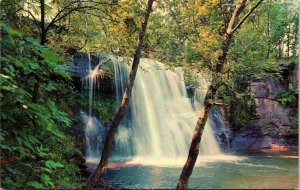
point(35, 152)
point(288, 99)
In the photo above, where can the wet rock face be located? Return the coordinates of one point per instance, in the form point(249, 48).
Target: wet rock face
point(264, 133)
point(79, 69)
point(272, 126)
point(266, 89)
point(267, 108)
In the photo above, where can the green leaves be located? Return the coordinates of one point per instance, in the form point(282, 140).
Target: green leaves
point(53, 165)
point(35, 185)
point(47, 180)
point(288, 98)
point(32, 132)
point(55, 131)
point(11, 32)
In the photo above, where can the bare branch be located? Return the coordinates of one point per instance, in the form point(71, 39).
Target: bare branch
point(102, 166)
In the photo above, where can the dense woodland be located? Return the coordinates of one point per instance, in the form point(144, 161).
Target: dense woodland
point(39, 100)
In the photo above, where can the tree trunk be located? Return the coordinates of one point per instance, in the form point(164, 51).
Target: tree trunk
point(288, 41)
point(43, 32)
point(268, 35)
point(100, 170)
point(194, 148)
point(195, 143)
point(36, 86)
point(35, 93)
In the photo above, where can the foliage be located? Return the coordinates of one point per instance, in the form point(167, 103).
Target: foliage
point(36, 152)
point(108, 69)
point(105, 108)
point(288, 98)
point(104, 105)
point(34, 142)
point(241, 107)
point(190, 79)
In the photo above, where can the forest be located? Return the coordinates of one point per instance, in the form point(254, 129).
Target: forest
point(149, 94)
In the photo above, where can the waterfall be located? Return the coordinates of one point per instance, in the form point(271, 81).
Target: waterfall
point(92, 126)
point(160, 118)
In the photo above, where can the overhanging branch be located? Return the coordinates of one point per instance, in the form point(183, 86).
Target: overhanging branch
point(59, 16)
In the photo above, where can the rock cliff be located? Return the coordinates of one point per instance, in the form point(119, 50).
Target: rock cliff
point(274, 126)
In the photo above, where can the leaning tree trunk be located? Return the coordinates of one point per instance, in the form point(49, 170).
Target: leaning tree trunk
point(212, 89)
point(100, 170)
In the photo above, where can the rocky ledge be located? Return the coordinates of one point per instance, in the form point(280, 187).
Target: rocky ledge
point(275, 126)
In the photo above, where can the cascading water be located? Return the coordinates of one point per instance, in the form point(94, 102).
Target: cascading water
point(160, 119)
point(93, 127)
point(223, 133)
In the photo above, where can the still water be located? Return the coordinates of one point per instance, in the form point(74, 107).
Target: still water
point(276, 170)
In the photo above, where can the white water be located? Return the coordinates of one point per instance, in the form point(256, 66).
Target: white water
point(92, 126)
point(161, 119)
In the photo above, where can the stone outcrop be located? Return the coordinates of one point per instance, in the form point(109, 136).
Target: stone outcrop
point(266, 89)
point(272, 126)
point(294, 76)
point(79, 67)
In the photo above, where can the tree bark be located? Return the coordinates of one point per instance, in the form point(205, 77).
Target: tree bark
point(288, 41)
point(35, 93)
point(268, 34)
point(36, 86)
point(100, 170)
point(195, 143)
point(194, 147)
point(43, 32)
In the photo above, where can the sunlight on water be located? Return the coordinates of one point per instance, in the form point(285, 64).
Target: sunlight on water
point(179, 162)
point(176, 162)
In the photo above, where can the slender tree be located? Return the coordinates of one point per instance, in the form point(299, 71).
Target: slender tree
point(209, 98)
point(63, 12)
point(100, 170)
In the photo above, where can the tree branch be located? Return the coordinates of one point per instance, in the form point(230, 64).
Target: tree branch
point(33, 17)
point(59, 15)
point(210, 104)
point(237, 11)
point(246, 16)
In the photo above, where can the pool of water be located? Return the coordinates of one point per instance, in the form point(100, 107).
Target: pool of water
point(255, 170)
